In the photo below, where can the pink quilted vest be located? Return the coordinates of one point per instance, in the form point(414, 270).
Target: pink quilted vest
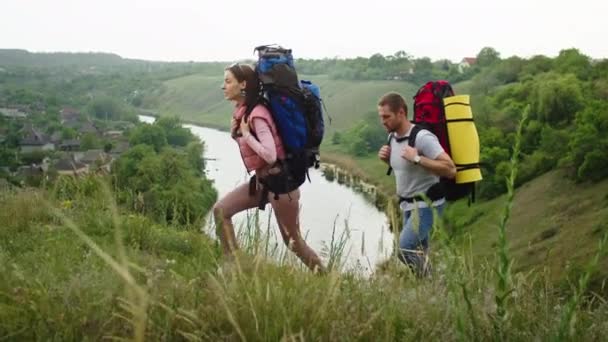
point(251, 159)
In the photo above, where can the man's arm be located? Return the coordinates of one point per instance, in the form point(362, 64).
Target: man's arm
point(441, 166)
point(433, 157)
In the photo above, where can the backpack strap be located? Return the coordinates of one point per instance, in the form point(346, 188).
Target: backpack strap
point(434, 193)
point(446, 91)
point(411, 140)
point(388, 143)
point(253, 184)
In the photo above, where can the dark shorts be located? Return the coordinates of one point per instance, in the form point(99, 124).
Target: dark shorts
point(279, 184)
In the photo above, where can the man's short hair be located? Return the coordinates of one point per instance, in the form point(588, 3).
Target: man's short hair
point(394, 101)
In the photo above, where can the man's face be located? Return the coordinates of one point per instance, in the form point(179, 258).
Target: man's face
point(390, 120)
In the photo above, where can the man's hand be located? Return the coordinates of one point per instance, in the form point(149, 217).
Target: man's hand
point(385, 153)
point(409, 153)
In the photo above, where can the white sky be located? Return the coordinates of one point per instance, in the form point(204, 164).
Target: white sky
point(203, 30)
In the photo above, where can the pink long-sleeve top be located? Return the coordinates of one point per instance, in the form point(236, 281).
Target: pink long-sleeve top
point(263, 146)
point(261, 149)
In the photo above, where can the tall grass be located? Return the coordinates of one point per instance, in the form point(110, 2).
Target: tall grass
point(83, 268)
point(504, 262)
point(568, 320)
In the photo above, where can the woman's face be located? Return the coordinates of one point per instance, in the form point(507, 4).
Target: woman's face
point(232, 87)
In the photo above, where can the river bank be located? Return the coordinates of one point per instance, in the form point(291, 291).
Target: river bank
point(368, 169)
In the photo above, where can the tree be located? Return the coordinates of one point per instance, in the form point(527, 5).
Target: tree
point(107, 108)
point(558, 98)
point(377, 61)
point(195, 150)
point(600, 69)
point(402, 55)
point(9, 157)
point(531, 136)
point(595, 166)
point(487, 56)
point(176, 134)
point(68, 133)
point(537, 65)
point(509, 69)
point(574, 62)
point(485, 82)
point(89, 141)
point(151, 135)
point(589, 142)
point(496, 166)
point(128, 164)
point(423, 69)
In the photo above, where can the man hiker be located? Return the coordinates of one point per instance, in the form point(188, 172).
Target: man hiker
point(417, 170)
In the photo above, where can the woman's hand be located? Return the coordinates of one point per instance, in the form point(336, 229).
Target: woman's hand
point(244, 126)
point(234, 126)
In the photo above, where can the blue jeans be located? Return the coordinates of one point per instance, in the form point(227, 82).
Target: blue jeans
point(414, 238)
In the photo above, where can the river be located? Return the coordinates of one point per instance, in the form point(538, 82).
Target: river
point(327, 207)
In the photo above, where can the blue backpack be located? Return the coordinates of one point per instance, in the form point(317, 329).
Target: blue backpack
point(296, 108)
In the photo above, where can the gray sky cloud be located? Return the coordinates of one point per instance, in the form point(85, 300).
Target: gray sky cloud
point(225, 30)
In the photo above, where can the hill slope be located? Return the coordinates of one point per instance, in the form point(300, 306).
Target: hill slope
point(555, 224)
point(198, 98)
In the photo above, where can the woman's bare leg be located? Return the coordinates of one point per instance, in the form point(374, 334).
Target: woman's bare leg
point(287, 211)
point(234, 202)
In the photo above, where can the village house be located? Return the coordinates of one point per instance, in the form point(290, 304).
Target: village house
point(70, 145)
point(122, 125)
point(97, 160)
point(466, 62)
point(68, 114)
point(113, 134)
point(88, 128)
point(67, 166)
point(30, 171)
point(55, 138)
point(33, 141)
point(119, 148)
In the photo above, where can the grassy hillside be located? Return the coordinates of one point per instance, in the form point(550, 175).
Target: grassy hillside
point(555, 224)
point(198, 98)
point(194, 98)
point(100, 63)
point(80, 269)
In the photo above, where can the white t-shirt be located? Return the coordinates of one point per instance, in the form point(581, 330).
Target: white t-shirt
point(414, 179)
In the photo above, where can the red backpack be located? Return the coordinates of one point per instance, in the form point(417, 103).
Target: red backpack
point(429, 112)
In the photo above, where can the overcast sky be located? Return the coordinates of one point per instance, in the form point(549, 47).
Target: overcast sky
point(203, 30)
